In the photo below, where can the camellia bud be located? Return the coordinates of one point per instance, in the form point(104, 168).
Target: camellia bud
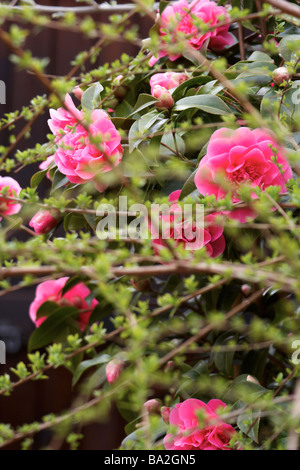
point(142, 285)
point(169, 365)
point(113, 370)
point(152, 406)
point(252, 379)
point(163, 96)
point(165, 413)
point(78, 92)
point(120, 90)
point(246, 289)
point(280, 75)
point(44, 221)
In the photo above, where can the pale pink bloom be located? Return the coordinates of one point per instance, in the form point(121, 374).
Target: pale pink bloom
point(44, 221)
point(51, 291)
point(214, 434)
point(163, 96)
point(167, 80)
point(186, 232)
point(113, 370)
point(9, 207)
point(75, 156)
point(175, 20)
point(242, 156)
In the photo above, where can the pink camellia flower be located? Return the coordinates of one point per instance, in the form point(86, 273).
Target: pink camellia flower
point(167, 80)
point(75, 156)
point(51, 291)
point(179, 20)
point(214, 434)
point(242, 156)
point(113, 370)
point(163, 96)
point(44, 221)
point(9, 207)
point(206, 233)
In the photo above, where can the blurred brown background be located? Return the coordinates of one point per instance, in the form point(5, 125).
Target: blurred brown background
point(31, 401)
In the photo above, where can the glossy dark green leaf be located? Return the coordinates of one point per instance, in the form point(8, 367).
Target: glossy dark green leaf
point(90, 97)
point(289, 46)
point(143, 102)
point(59, 181)
point(122, 122)
point(194, 82)
point(207, 103)
point(189, 186)
point(255, 363)
point(37, 178)
point(248, 422)
point(46, 309)
point(51, 328)
point(224, 360)
point(85, 365)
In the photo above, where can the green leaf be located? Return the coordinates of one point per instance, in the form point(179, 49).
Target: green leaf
point(289, 47)
point(74, 222)
point(288, 103)
point(134, 138)
point(249, 420)
point(37, 178)
point(144, 100)
point(90, 97)
point(59, 180)
point(170, 144)
point(192, 82)
point(260, 57)
point(122, 122)
point(224, 360)
point(51, 327)
point(101, 311)
point(71, 282)
point(162, 5)
point(211, 88)
point(46, 309)
point(85, 365)
point(91, 220)
point(207, 103)
point(255, 363)
point(147, 120)
point(189, 186)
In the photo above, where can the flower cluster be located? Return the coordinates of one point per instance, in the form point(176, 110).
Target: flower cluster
point(191, 434)
point(242, 156)
point(180, 21)
point(192, 234)
point(76, 157)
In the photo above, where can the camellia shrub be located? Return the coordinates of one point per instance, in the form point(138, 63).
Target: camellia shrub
point(161, 233)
